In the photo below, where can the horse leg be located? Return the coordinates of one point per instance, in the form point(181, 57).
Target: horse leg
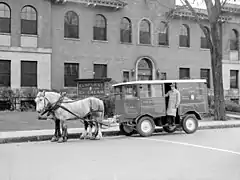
point(57, 132)
point(90, 126)
point(84, 134)
point(89, 131)
point(99, 119)
point(63, 138)
point(100, 131)
point(96, 131)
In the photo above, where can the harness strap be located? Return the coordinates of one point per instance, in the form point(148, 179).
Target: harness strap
point(78, 117)
point(57, 105)
point(54, 106)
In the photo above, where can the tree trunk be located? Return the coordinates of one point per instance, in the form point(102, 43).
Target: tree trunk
point(216, 63)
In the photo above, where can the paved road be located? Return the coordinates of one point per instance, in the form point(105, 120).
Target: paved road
point(21, 121)
point(205, 155)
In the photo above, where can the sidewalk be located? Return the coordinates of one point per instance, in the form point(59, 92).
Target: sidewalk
point(43, 135)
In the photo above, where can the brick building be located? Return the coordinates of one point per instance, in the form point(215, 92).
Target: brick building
point(49, 43)
point(25, 43)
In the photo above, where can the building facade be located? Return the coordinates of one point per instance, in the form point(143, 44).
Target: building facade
point(124, 40)
point(25, 44)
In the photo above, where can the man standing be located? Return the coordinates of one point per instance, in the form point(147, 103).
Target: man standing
point(173, 103)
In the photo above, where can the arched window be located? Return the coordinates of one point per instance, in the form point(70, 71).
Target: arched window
point(145, 69)
point(28, 20)
point(204, 41)
point(5, 18)
point(71, 25)
point(100, 28)
point(184, 37)
point(234, 40)
point(126, 30)
point(163, 34)
point(145, 32)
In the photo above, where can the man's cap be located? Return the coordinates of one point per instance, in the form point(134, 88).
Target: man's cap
point(173, 84)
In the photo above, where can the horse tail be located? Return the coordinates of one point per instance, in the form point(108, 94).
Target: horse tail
point(103, 111)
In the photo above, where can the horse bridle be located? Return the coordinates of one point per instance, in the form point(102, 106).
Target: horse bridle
point(47, 104)
point(49, 107)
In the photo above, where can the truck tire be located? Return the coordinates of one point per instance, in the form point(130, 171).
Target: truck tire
point(190, 124)
point(169, 129)
point(145, 126)
point(126, 130)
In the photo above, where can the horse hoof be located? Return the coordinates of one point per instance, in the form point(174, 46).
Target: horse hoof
point(94, 138)
point(87, 137)
point(54, 139)
point(82, 137)
point(60, 140)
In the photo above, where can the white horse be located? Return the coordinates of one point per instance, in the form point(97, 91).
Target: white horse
point(91, 108)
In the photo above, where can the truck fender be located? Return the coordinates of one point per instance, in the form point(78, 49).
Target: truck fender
point(139, 117)
point(198, 116)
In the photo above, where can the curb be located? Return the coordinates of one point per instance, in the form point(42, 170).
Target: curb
point(36, 138)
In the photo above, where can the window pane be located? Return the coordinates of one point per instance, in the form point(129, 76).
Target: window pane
point(5, 25)
point(28, 13)
point(28, 21)
point(125, 24)
point(5, 73)
point(145, 32)
point(205, 74)
point(28, 27)
point(125, 36)
point(233, 79)
point(29, 80)
point(163, 76)
point(204, 43)
point(99, 34)
point(184, 30)
point(163, 39)
point(5, 80)
point(184, 73)
point(5, 18)
point(71, 73)
point(125, 30)
point(4, 11)
point(71, 25)
point(145, 38)
point(145, 90)
point(100, 71)
point(29, 73)
point(126, 76)
point(100, 21)
point(71, 18)
point(184, 41)
point(157, 90)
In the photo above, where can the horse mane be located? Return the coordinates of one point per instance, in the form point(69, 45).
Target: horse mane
point(49, 90)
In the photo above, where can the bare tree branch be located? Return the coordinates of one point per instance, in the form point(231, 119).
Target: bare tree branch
point(224, 2)
point(198, 21)
point(218, 7)
point(210, 9)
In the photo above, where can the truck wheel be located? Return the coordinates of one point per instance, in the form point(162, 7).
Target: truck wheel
point(190, 124)
point(169, 129)
point(126, 130)
point(145, 126)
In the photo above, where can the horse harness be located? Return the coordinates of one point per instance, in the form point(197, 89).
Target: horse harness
point(51, 108)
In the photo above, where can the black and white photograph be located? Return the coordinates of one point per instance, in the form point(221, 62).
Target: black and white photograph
point(119, 90)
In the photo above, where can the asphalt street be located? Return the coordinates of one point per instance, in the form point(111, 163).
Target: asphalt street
point(205, 155)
